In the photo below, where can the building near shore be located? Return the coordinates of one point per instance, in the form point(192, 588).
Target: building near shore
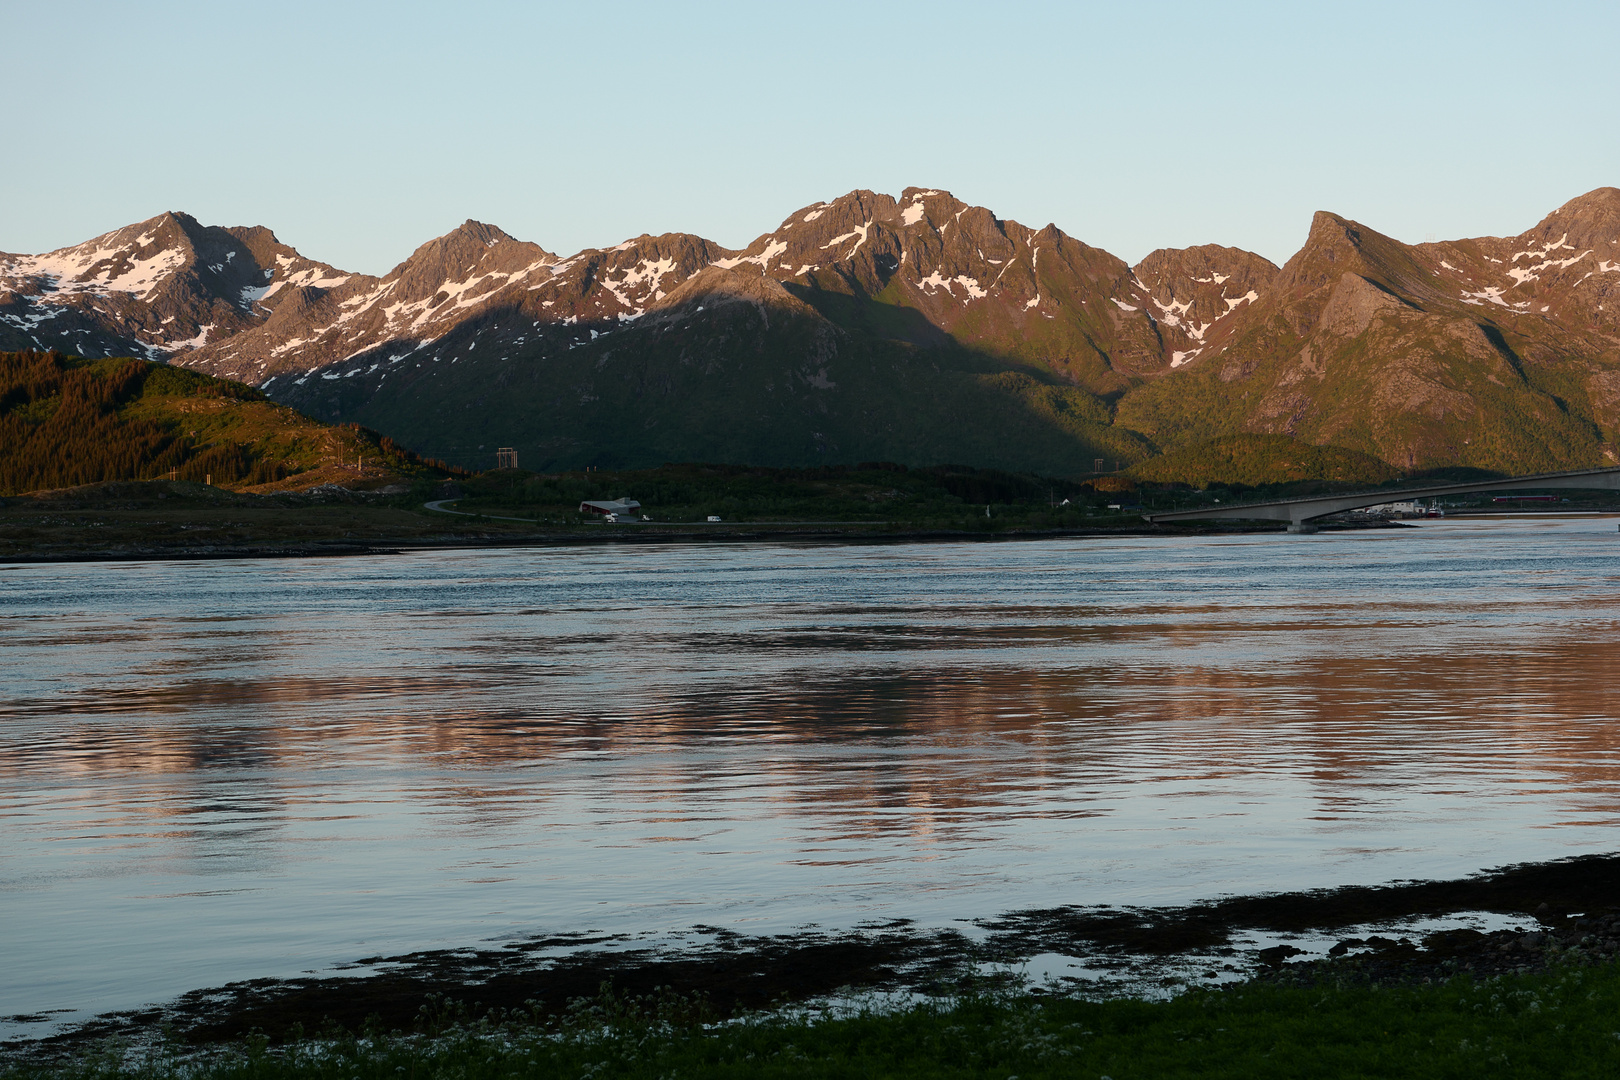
point(612, 509)
point(1412, 508)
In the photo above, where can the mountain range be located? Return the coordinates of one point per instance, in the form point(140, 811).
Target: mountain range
point(919, 329)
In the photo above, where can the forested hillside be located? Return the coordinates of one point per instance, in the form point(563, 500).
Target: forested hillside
point(1264, 459)
point(66, 421)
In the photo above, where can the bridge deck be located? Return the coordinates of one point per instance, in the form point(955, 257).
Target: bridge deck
point(1297, 511)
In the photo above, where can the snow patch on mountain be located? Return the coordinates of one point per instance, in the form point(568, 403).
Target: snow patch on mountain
point(763, 259)
point(859, 230)
point(1561, 244)
point(1491, 294)
point(196, 342)
point(28, 322)
point(1173, 312)
point(315, 277)
point(640, 284)
point(1521, 274)
point(936, 281)
point(71, 270)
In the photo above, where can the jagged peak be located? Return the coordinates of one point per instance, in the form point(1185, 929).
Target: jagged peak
point(1603, 198)
point(1335, 245)
point(724, 282)
point(471, 244)
point(255, 232)
point(174, 223)
point(470, 234)
point(862, 201)
point(714, 287)
point(1328, 227)
point(487, 234)
point(646, 243)
point(1205, 252)
point(932, 197)
point(1591, 220)
point(1220, 275)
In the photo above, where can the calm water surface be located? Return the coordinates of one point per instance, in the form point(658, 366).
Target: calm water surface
point(215, 771)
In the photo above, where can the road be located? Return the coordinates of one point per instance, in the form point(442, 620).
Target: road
point(438, 504)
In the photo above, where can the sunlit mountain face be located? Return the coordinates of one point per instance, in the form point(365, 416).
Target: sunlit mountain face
point(917, 329)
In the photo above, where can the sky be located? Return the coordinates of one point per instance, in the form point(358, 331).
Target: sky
point(357, 131)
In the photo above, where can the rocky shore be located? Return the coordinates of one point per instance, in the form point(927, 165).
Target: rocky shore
point(1570, 911)
point(1560, 939)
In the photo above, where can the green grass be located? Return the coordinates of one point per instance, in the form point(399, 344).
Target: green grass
point(1564, 1022)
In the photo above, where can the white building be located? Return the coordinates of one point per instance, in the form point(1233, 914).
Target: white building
point(612, 509)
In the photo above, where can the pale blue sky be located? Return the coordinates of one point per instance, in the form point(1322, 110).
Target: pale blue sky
point(358, 130)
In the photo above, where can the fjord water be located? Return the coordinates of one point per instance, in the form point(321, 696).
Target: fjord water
point(213, 771)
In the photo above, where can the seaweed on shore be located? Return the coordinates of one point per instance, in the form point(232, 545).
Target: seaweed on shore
point(1573, 902)
point(1586, 884)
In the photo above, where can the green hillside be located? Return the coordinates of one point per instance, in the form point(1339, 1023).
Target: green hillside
point(1413, 389)
point(66, 421)
point(759, 383)
point(1256, 460)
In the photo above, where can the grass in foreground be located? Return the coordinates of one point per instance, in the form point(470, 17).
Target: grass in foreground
point(1561, 1023)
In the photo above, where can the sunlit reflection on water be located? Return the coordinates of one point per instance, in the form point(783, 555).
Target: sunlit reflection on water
point(215, 771)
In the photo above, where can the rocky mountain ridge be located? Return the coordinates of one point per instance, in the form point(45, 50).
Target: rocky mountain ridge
point(1499, 352)
point(156, 289)
point(819, 334)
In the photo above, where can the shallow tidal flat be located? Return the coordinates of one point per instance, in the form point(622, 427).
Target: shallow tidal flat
point(262, 769)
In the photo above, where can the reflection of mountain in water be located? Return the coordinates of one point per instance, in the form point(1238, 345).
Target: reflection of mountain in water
point(353, 757)
point(1013, 706)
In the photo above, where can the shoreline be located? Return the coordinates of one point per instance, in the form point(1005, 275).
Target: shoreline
point(1571, 909)
point(877, 533)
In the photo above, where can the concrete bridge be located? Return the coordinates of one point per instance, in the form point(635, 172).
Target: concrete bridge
point(1300, 512)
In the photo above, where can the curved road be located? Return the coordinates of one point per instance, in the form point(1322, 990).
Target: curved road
point(438, 504)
